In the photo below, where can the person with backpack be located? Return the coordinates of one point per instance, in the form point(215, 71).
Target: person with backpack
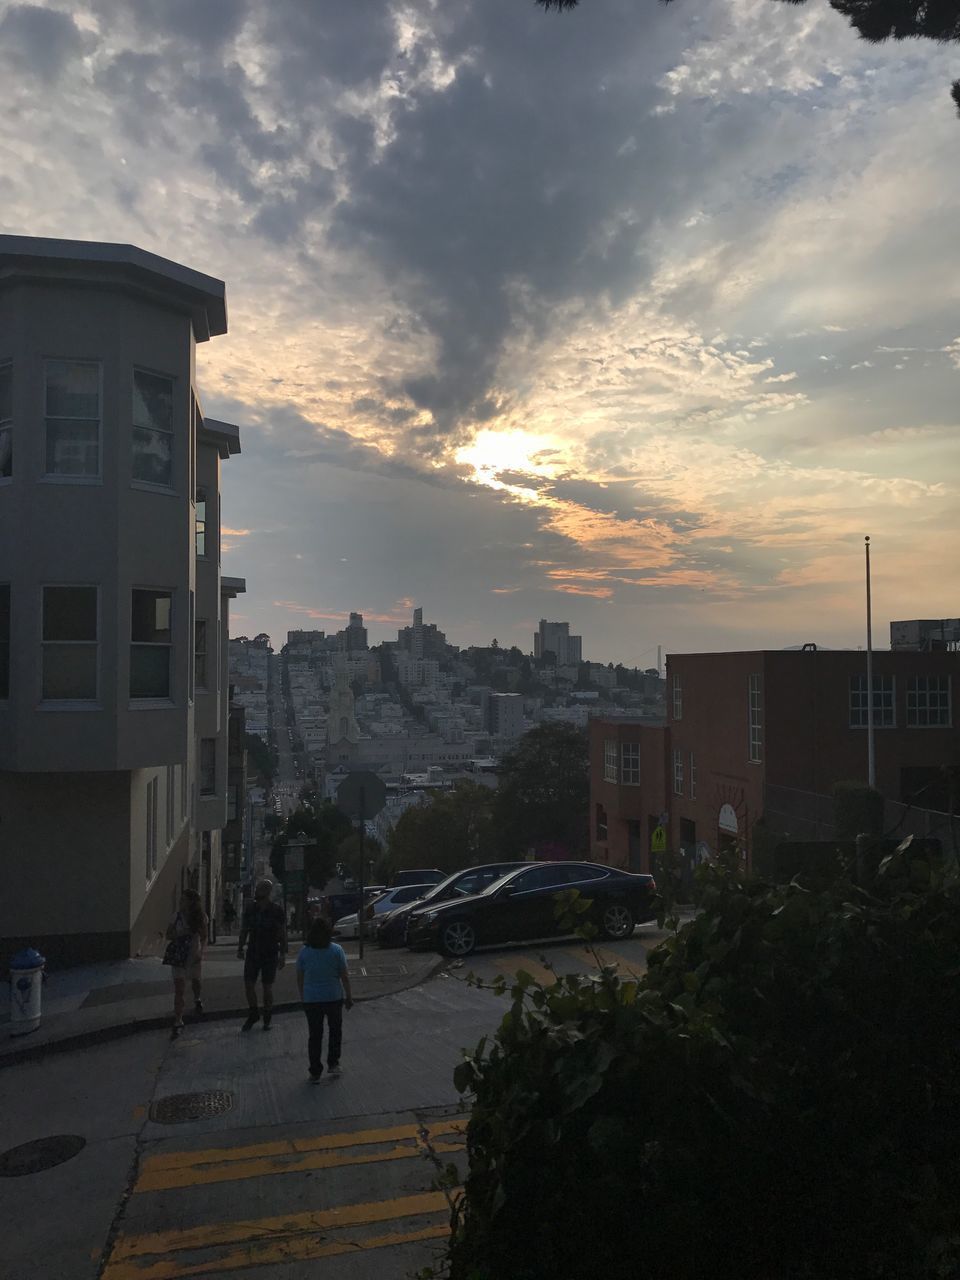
point(186, 938)
point(323, 982)
point(264, 932)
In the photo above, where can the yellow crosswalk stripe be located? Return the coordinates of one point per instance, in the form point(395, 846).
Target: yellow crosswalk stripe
point(275, 1230)
point(512, 964)
point(298, 1155)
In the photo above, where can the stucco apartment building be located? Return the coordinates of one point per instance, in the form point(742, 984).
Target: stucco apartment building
point(113, 609)
point(768, 734)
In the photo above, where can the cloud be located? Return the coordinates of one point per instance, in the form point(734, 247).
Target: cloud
point(41, 41)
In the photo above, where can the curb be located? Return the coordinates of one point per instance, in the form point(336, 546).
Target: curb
point(122, 1030)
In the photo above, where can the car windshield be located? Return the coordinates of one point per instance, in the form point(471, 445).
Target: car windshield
point(492, 888)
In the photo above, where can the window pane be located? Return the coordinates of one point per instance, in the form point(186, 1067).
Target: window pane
point(69, 671)
point(73, 389)
point(200, 655)
point(150, 621)
point(201, 522)
point(72, 448)
point(152, 456)
point(149, 671)
point(4, 641)
point(152, 401)
point(208, 766)
point(69, 613)
point(6, 452)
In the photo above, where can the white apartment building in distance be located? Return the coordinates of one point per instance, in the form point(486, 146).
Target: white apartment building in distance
point(113, 610)
point(555, 638)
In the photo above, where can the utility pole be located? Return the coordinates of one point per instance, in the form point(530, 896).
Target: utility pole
point(361, 805)
point(871, 742)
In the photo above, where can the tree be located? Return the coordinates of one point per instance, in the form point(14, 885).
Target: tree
point(789, 1058)
point(543, 799)
point(452, 830)
point(877, 20)
point(262, 757)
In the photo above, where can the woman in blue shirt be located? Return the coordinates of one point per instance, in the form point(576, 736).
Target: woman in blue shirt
point(324, 985)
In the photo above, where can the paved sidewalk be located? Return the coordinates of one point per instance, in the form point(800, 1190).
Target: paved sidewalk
point(100, 1002)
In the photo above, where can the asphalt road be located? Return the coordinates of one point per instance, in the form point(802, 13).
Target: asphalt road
point(291, 1177)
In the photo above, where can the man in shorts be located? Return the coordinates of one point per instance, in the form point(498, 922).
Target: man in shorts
point(264, 931)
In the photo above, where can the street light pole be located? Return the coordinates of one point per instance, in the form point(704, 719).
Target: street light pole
point(871, 742)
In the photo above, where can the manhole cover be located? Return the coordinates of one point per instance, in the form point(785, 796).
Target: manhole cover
point(190, 1106)
point(43, 1153)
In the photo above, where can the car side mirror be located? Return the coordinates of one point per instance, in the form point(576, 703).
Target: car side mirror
point(508, 891)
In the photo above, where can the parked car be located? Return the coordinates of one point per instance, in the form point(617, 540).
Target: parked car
point(521, 906)
point(349, 926)
point(337, 905)
point(430, 875)
point(392, 928)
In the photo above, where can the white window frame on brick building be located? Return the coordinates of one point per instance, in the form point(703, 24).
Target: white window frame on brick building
point(677, 697)
point(884, 702)
point(755, 715)
point(928, 702)
point(611, 760)
point(678, 771)
point(630, 764)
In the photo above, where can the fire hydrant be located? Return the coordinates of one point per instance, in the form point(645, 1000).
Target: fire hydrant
point(26, 980)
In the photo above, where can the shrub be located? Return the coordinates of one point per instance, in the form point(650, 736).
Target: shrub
point(777, 1097)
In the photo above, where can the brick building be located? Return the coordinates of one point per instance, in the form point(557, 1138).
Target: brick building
point(769, 733)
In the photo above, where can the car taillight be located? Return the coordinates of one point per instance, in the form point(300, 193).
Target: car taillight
point(653, 884)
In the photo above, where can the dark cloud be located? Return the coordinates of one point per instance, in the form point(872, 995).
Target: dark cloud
point(203, 25)
point(42, 41)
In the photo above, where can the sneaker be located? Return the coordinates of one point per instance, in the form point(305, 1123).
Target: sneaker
point(175, 1030)
point(334, 1068)
point(266, 1022)
point(315, 1077)
point(252, 1019)
point(198, 1008)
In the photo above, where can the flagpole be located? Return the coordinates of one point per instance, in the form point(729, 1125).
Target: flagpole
point(871, 745)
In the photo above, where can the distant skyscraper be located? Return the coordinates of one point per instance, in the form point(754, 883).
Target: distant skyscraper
point(354, 635)
point(555, 637)
point(422, 640)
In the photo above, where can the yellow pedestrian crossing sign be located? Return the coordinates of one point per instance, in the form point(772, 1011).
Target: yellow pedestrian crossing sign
point(658, 840)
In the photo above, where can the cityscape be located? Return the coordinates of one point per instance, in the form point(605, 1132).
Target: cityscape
point(479, 640)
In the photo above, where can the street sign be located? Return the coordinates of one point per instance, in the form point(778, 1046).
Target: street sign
point(658, 840)
point(361, 794)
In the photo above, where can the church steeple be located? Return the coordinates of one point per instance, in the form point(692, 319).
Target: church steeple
point(342, 723)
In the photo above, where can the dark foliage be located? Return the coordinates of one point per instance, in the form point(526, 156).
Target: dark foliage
point(543, 798)
point(778, 1097)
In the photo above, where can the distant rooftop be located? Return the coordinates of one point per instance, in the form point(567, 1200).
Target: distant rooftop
point(122, 264)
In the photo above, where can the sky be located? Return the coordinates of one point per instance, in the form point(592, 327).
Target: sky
point(639, 317)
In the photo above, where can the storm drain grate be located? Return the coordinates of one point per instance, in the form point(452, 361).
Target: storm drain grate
point(180, 1107)
point(42, 1153)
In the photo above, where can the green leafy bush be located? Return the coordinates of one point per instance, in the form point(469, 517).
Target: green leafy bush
point(778, 1098)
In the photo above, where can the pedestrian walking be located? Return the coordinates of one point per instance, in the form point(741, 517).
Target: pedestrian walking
point(264, 932)
point(186, 939)
point(323, 981)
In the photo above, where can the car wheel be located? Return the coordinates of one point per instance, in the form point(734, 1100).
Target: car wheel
point(458, 938)
point(616, 920)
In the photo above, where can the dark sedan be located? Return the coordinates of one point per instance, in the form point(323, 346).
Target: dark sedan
point(392, 929)
point(522, 906)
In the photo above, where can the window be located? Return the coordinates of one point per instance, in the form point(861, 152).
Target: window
point(630, 763)
point(170, 797)
point(601, 824)
point(151, 831)
point(200, 522)
point(610, 761)
point(6, 421)
point(72, 417)
point(200, 654)
point(4, 641)
point(208, 766)
point(883, 702)
point(152, 428)
point(678, 772)
point(70, 644)
point(928, 702)
point(677, 698)
point(756, 719)
point(151, 643)
point(579, 874)
point(693, 777)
